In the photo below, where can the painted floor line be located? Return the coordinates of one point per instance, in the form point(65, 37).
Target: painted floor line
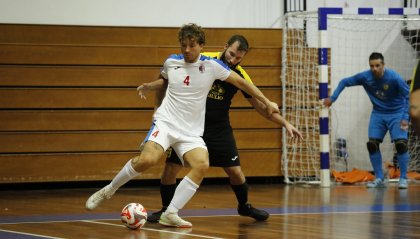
point(156, 230)
point(218, 212)
point(27, 234)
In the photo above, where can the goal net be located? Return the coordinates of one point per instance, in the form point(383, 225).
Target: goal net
point(350, 39)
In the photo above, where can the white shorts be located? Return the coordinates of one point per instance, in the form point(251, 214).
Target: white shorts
point(166, 137)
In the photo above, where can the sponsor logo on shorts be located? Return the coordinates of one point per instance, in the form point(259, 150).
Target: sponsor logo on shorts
point(234, 158)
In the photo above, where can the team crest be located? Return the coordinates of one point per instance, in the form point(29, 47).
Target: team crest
point(386, 87)
point(201, 68)
point(217, 89)
point(216, 92)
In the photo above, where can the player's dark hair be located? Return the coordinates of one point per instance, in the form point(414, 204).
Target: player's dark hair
point(376, 56)
point(192, 31)
point(243, 43)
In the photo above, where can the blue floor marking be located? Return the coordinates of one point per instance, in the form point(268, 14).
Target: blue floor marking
point(221, 212)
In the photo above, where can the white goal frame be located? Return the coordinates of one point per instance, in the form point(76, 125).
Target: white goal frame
point(323, 177)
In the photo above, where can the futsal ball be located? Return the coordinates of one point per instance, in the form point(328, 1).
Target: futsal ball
point(134, 215)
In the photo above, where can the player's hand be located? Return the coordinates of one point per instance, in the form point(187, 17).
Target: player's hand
point(272, 107)
point(293, 132)
point(404, 125)
point(274, 104)
point(327, 102)
point(142, 89)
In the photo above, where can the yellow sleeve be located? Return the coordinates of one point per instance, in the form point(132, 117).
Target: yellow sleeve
point(239, 68)
point(413, 78)
point(245, 75)
point(211, 54)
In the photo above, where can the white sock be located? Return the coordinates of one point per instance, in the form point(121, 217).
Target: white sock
point(124, 175)
point(183, 193)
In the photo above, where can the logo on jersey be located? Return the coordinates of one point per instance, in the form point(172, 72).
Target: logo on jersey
point(176, 67)
point(216, 92)
point(201, 68)
point(386, 87)
point(380, 94)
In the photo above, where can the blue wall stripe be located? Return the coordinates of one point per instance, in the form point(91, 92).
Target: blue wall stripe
point(323, 90)
point(323, 56)
point(365, 11)
point(325, 160)
point(323, 125)
point(396, 11)
point(322, 16)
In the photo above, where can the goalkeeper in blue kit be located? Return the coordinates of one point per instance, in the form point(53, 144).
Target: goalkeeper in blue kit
point(389, 94)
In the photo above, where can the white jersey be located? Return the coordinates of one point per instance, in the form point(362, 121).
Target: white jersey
point(184, 105)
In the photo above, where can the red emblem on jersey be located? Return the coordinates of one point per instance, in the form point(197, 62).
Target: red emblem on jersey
point(201, 68)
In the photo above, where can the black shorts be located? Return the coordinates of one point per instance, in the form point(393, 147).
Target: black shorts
point(221, 145)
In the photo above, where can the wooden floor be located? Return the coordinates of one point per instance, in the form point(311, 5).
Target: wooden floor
point(297, 211)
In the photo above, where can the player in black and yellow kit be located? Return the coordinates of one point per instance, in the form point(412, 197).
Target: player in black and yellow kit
point(218, 134)
point(415, 101)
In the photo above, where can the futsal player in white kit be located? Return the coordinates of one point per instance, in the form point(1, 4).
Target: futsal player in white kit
point(179, 121)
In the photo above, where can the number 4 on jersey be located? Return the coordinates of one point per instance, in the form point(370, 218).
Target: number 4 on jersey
point(187, 80)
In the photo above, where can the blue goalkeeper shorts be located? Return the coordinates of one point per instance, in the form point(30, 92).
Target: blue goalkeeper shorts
point(380, 123)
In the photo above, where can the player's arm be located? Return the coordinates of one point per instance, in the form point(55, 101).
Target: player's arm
point(276, 118)
point(154, 85)
point(346, 82)
point(252, 90)
point(159, 86)
point(404, 90)
point(415, 110)
point(259, 107)
point(262, 110)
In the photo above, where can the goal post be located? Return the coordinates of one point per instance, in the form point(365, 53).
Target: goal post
point(321, 48)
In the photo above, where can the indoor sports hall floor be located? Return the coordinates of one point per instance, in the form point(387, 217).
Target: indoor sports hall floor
point(342, 211)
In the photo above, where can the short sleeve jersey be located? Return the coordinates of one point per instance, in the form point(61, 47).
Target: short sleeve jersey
point(220, 97)
point(183, 107)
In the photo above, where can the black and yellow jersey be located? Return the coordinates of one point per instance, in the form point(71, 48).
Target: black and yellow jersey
point(220, 97)
point(415, 83)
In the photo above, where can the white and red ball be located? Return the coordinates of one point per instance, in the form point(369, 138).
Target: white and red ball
point(134, 215)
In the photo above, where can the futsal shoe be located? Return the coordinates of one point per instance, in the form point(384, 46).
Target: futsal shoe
point(377, 183)
point(249, 211)
point(171, 219)
point(154, 217)
point(97, 198)
point(403, 184)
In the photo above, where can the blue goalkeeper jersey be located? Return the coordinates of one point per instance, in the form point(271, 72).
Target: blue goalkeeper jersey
point(390, 94)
